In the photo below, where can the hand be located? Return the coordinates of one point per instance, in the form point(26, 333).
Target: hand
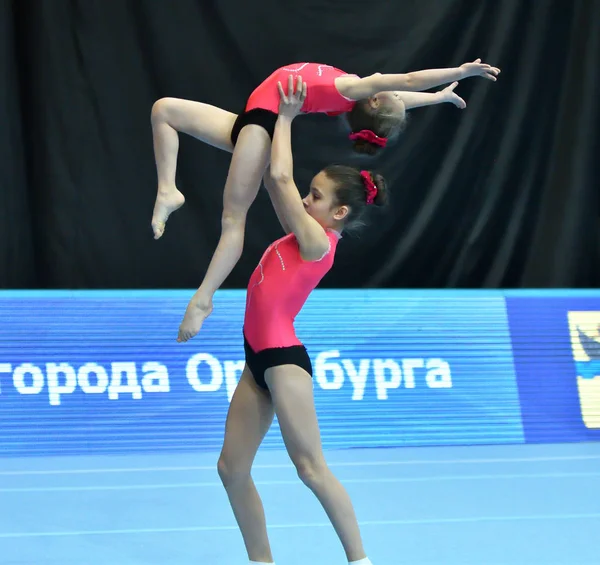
point(291, 104)
point(448, 95)
point(479, 69)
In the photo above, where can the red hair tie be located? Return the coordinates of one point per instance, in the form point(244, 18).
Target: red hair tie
point(370, 136)
point(370, 187)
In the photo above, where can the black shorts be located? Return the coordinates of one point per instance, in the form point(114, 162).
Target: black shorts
point(260, 117)
point(259, 362)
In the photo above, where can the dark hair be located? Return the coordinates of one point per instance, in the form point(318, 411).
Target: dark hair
point(351, 191)
point(381, 121)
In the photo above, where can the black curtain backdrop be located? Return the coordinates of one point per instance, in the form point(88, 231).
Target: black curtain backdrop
point(503, 194)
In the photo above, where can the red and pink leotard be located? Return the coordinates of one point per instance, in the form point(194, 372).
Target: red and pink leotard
point(278, 289)
point(322, 94)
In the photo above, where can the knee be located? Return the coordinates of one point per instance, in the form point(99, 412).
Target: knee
point(311, 471)
point(233, 220)
point(232, 473)
point(160, 110)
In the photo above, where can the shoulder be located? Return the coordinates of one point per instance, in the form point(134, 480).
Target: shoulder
point(324, 249)
point(333, 238)
point(355, 88)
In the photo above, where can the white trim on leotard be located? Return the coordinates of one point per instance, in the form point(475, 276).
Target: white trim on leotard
point(338, 235)
point(296, 69)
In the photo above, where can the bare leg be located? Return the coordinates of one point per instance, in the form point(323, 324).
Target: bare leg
point(170, 116)
point(249, 162)
point(249, 418)
point(292, 394)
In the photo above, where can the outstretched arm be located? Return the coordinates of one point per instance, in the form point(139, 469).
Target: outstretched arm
point(311, 237)
point(361, 88)
point(418, 99)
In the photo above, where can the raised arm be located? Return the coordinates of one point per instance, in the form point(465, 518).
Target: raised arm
point(311, 236)
point(275, 198)
point(361, 88)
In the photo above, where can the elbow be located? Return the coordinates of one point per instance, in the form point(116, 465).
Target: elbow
point(376, 79)
point(280, 177)
point(410, 83)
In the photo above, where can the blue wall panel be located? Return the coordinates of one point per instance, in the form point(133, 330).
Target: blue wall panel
point(101, 372)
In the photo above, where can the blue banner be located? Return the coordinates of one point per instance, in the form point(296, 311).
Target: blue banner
point(101, 372)
point(556, 345)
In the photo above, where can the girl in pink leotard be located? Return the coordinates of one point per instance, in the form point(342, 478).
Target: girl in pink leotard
point(375, 107)
point(277, 375)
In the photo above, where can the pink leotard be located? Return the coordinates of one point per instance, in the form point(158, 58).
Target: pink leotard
point(278, 288)
point(322, 94)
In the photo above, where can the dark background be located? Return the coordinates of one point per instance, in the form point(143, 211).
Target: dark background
point(503, 194)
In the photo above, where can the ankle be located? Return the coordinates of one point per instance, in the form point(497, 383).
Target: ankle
point(164, 189)
point(202, 300)
point(365, 561)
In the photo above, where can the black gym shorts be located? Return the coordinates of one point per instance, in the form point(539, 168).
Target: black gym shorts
point(258, 116)
point(259, 362)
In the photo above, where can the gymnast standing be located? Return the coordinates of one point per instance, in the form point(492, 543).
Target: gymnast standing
point(277, 376)
point(374, 106)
